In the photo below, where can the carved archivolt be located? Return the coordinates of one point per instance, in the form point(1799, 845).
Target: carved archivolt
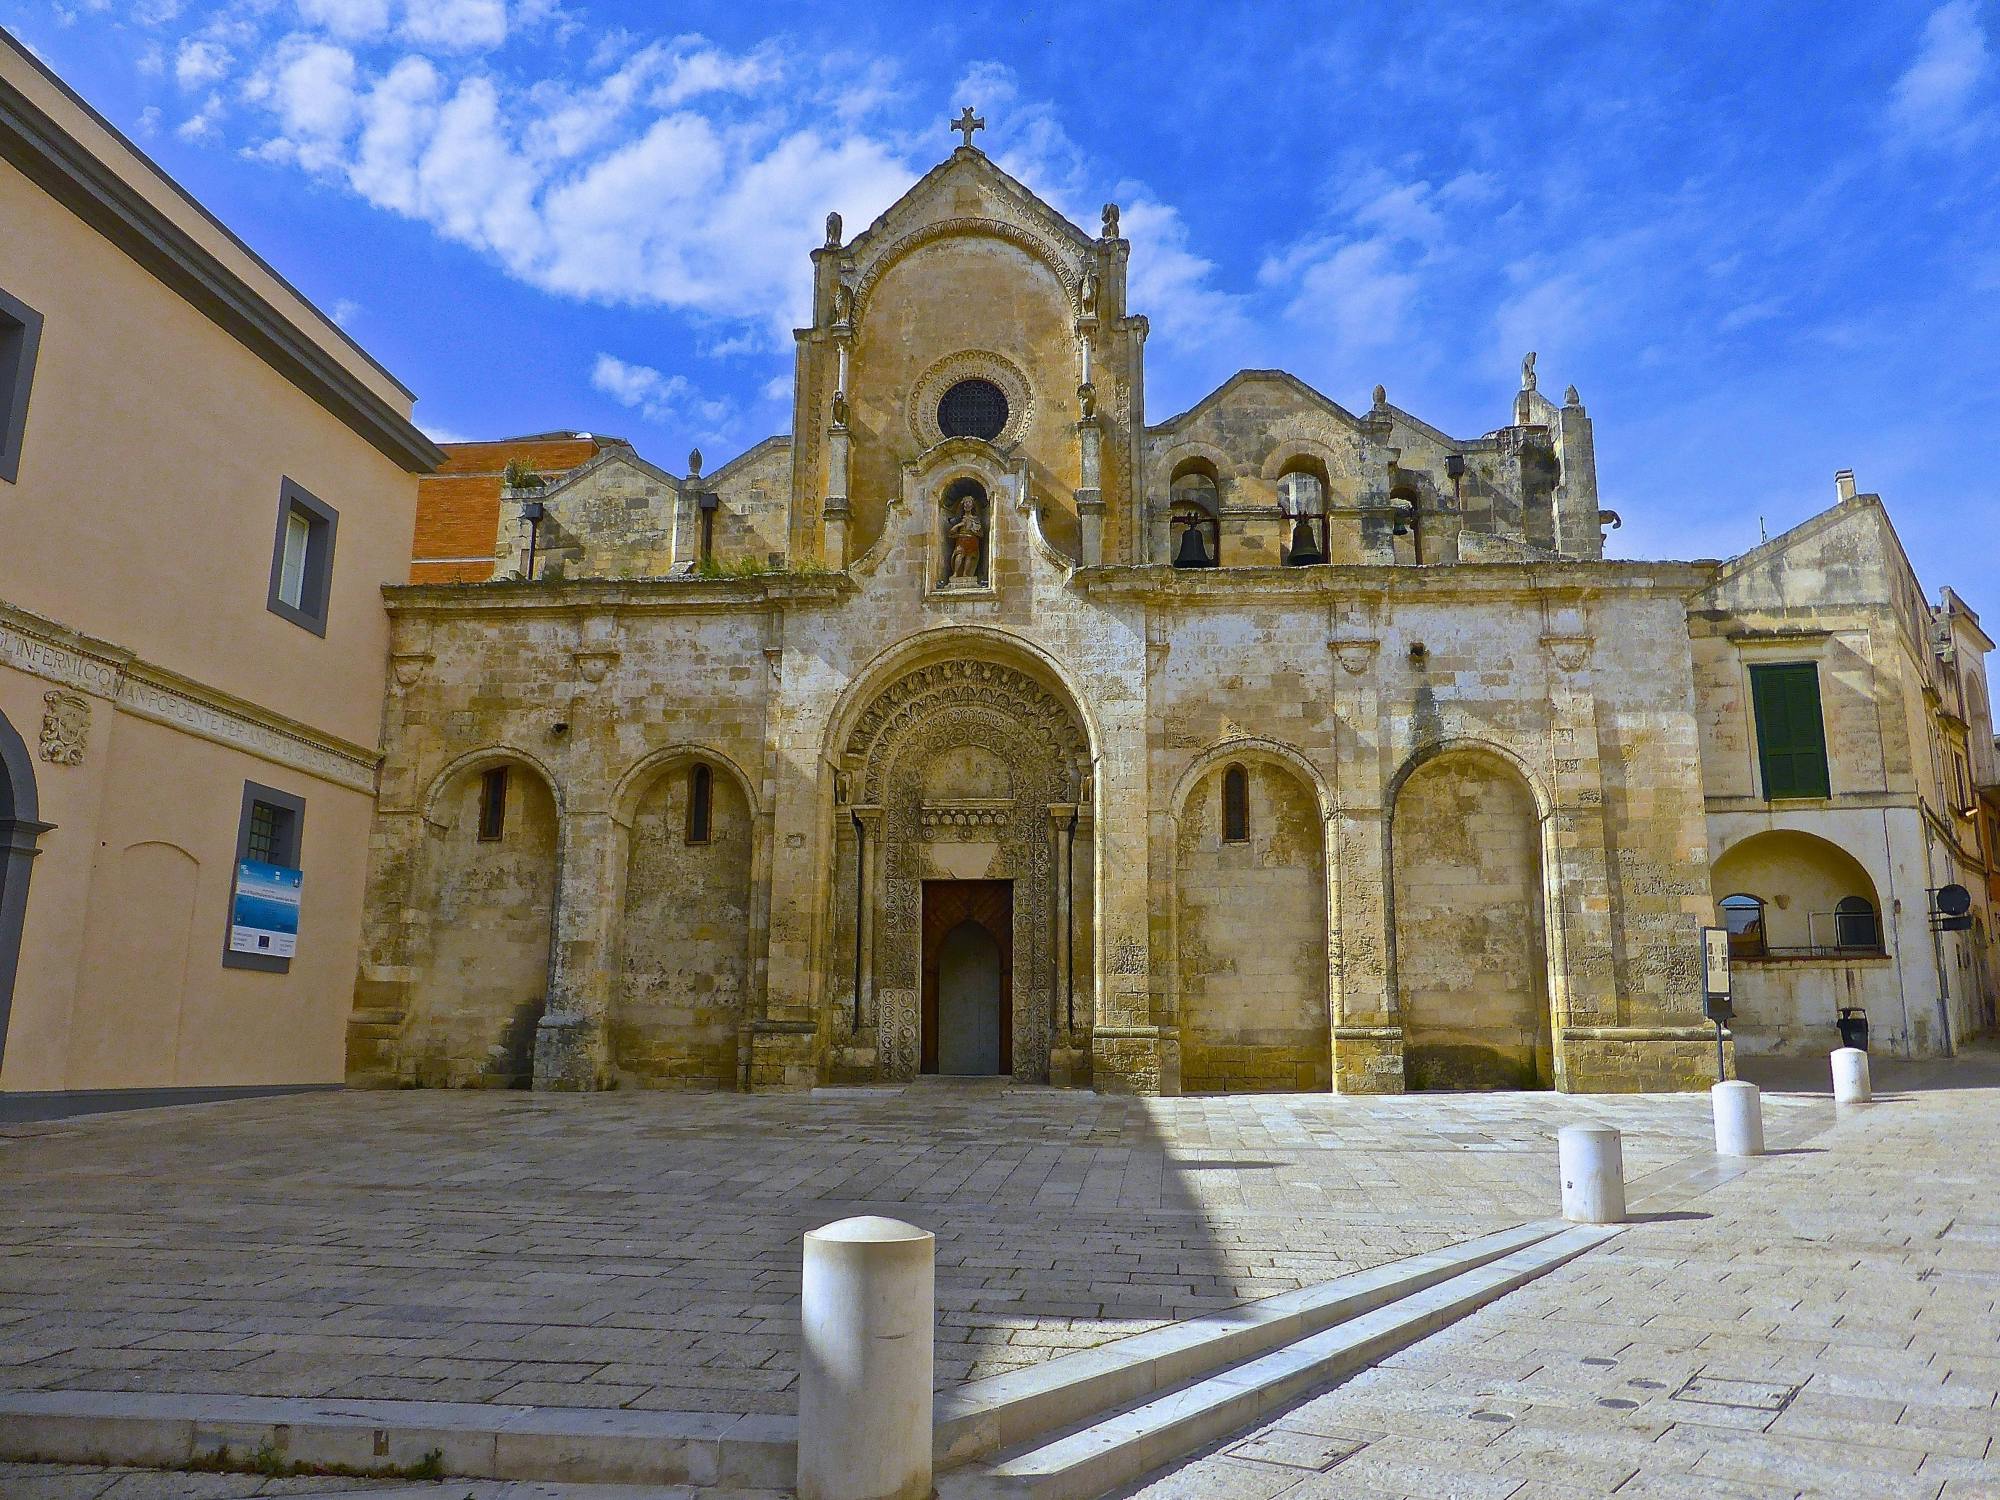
point(969, 364)
point(1010, 695)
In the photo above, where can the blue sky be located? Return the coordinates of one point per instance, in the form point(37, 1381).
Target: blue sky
point(1764, 245)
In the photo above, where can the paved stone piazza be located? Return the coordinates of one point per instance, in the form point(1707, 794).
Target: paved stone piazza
point(642, 1249)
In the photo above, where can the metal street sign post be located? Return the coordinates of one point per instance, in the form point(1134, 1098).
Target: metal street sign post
point(1715, 1003)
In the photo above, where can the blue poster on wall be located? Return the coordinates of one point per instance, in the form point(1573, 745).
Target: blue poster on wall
point(265, 917)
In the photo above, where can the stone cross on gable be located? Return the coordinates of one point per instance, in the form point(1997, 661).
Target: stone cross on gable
point(967, 122)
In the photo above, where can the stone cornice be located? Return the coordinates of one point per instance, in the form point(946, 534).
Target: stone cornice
point(55, 653)
point(1161, 583)
point(633, 595)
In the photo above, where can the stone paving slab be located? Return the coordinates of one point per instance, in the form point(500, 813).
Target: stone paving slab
point(71, 1482)
point(1825, 1325)
point(642, 1250)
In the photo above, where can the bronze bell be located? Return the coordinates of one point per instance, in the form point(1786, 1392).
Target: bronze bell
point(1305, 544)
point(1193, 552)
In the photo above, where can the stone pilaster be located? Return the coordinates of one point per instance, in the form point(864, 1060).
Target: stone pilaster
point(572, 1052)
point(1367, 1032)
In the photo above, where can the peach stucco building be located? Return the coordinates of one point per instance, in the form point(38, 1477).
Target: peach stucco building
point(193, 681)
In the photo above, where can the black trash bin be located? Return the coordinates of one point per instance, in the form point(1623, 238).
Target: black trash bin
point(1853, 1025)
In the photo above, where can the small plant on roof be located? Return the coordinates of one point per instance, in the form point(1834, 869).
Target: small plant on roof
point(518, 476)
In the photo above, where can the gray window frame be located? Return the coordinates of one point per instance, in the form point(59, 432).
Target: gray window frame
point(253, 793)
point(20, 343)
point(316, 586)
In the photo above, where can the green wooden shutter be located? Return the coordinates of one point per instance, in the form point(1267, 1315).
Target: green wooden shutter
point(1791, 735)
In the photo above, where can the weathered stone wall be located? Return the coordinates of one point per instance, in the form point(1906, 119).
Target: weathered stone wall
point(684, 951)
point(1250, 935)
point(472, 1017)
point(1471, 957)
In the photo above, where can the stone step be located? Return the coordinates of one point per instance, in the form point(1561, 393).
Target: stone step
point(1004, 1411)
point(1088, 1461)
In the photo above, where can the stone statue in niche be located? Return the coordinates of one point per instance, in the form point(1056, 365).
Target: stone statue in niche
point(965, 532)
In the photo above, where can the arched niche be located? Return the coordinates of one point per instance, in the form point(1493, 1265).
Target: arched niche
point(1469, 925)
point(683, 981)
point(486, 895)
point(1250, 927)
point(20, 831)
point(1802, 880)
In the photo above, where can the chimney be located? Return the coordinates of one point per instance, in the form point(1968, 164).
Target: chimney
point(1843, 484)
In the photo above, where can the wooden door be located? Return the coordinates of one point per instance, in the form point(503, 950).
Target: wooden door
point(988, 907)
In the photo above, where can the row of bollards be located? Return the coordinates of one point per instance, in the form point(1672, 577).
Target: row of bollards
point(868, 1303)
point(1592, 1157)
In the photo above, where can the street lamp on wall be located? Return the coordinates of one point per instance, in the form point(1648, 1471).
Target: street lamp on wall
point(533, 512)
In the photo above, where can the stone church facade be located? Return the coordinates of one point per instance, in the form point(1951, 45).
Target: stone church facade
point(983, 726)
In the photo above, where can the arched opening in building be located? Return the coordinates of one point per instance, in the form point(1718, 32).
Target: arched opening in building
point(489, 904)
point(1195, 520)
point(1302, 501)
point(1812, 898)
point(1470, 942)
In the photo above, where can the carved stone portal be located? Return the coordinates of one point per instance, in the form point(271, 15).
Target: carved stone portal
point(965, 758)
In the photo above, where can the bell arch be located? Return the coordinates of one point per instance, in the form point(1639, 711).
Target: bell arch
point(959, 762)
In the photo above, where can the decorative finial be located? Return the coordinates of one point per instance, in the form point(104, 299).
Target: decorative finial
point(1381, 397)
point(1571, 398)
point(967, 122)
point(694, 464)
point(1111, 221)
point(1528, 371)
point(833, 231)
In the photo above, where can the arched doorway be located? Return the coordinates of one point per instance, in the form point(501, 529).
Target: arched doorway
point(960, 782)
point(1470, 945)
point(489, 901)
point(19, 830)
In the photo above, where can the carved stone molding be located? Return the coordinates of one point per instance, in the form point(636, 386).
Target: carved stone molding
point(409, 666)
point(969, 364)
point(1039, 246)
point(65, 727)
point(42, 648)
point(593, 664)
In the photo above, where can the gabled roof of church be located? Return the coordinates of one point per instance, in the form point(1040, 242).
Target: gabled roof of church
point(1244, 377)
point(966, 160)
point(758, 450)
point(621, 454)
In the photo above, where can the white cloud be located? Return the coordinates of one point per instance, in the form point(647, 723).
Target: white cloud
point(654, 396)
point(455, 25)
point(344, 311)
point(199, 63)
point(1932, 102)
point(149, 121)
point(1356, 291)
point(204, 123)
point(351, 20)
point(310, 86)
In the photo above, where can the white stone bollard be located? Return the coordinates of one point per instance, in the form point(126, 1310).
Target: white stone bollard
point(1739, 1118)
point(868, 1306)
point(1850, 1076)
point(1593, 1173)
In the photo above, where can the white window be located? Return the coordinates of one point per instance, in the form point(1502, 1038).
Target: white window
point(292, 571)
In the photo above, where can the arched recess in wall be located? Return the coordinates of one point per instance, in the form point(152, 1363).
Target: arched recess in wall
point(1250, 926)
point(1470, 926)
point(487, 892)
point(125, 1034)
point(683, 987)
point(20, 828)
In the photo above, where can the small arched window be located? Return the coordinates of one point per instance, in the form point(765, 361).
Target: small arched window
point(1196, 532)
point(1235, 806)
point(1855, 925)
point(1744, 917)
point(700, 810)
